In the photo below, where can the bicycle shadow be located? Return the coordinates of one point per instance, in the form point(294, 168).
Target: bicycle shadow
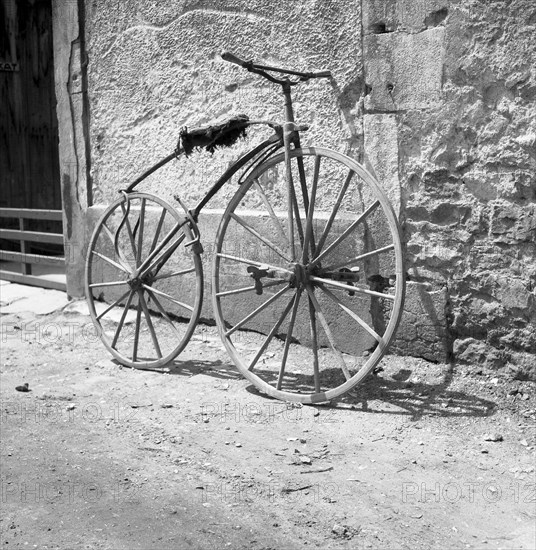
point(379, 395)
point(394, 395)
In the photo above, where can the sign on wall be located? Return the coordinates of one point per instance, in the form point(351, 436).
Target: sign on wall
point(9, 66)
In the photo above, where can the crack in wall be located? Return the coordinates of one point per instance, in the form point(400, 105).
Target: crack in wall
point(147, 26)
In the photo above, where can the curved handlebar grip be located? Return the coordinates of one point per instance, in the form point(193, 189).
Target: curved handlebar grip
point(228, 56)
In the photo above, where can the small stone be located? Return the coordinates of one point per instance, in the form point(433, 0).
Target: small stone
point(71, 407)
point(238, 444)
point(23, 388)
point(339, 530)
point(316, 413)
point(305, 459)
point(496, 437)
point(524, 442)
point(166, 406)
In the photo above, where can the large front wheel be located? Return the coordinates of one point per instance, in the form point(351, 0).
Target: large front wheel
point(308, 278)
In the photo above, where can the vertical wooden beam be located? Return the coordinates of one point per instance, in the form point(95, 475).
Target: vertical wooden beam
point(72, 137)
point(24, 249)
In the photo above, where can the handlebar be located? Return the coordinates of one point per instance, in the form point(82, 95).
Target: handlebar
point(261, 69)
point(228, 56)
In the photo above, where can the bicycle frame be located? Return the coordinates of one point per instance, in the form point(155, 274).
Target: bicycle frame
point(284, 254)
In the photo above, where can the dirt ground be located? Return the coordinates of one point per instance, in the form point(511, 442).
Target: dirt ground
point(97, 456)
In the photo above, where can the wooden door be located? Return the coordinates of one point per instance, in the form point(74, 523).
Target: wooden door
point(29, 162)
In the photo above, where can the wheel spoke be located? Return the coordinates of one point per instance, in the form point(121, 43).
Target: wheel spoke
point(314, 345)
point(111, 262)
point(122, 258)
point(137, 331)
point(149, 323)
point(328, 332)
point(303, 185)
point(334, 211)
point(309, 238)
point(297, 218)
point(110, 283)
point(291, 199)
point(175, 274)
point(111, 306)
point(349, 288)
point(150, 260)
point(122, 320)
point(353, 315)
point(129, 230)
point(168, 297)
point(141, 221)
point(275, 219)
point(255, 312)
point(158, 229)
point(288, 338)
point(360, 258)
point(254, 232)
point(163, 311)
point(347, 232)
point(160, 262)
point(268, 339)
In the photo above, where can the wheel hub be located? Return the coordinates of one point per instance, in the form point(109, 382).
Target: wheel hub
point(302, 275)
point(136, 283)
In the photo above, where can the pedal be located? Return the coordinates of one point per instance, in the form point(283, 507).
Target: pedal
point(257, 273)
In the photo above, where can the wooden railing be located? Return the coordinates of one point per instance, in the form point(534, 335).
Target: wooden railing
point(24, 257)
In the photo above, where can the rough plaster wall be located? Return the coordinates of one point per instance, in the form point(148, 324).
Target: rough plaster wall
point(437, 96)
point(155, 67)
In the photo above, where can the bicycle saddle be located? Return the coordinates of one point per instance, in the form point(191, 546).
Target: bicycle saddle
point(209, 138)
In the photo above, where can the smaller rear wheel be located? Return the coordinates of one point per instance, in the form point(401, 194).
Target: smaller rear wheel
point(144, 280)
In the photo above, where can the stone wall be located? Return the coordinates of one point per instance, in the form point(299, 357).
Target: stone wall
point(436, 96)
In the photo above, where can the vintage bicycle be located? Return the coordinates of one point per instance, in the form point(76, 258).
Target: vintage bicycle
point(307, 271)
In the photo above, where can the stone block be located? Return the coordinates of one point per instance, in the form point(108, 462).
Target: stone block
point(404, 71)
point(470, 352)
point(423, 329)
point(404, 15)
point(381, 150)
point(513, 224)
